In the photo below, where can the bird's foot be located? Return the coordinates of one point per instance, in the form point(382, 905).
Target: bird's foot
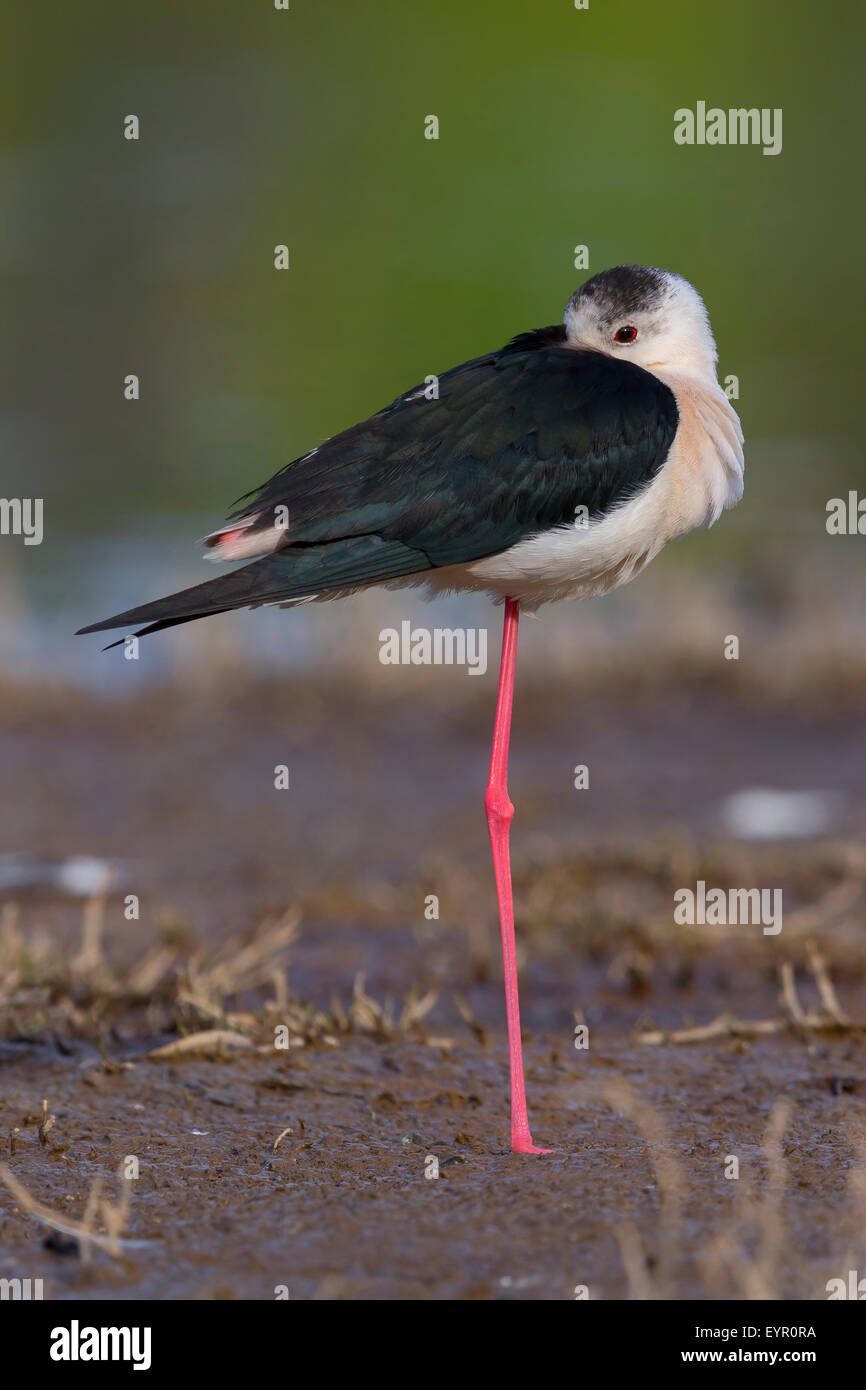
point(522, 1144)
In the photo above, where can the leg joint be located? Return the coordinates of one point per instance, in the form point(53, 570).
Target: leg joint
point(498, 805)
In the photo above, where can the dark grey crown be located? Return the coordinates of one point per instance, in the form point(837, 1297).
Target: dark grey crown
point(617, 293)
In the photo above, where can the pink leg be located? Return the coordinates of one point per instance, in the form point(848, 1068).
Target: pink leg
point(499, 813)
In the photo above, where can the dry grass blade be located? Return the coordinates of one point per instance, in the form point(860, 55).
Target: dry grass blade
point(769, 1256)
point(622, 1098)
point(416, 1008)
point(11, 951)
point(150, 970)
point(838, 901)
point(366, 1014)
point(831, 1019)
point(46, 1123)
point(725, 1026)
point(210, 1040)
point(90, 959)
point(470, 1020)
point(826, 988)
point(634, 1260)
point(115, 1216)
point(788, 997)
point(725, 1256)
point(238, 967)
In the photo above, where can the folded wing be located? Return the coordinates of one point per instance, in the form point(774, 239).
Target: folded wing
point(512, 445)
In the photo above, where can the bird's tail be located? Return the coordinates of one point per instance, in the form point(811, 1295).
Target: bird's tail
point(293, 574)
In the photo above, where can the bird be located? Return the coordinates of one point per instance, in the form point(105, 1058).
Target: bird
point(553, 468)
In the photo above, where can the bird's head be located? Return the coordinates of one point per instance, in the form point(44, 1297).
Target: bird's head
point(653, 318)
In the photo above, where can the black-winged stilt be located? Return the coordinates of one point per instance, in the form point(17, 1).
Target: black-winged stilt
point(555, 467)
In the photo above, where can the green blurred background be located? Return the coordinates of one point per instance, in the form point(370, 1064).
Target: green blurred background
point(306, 127)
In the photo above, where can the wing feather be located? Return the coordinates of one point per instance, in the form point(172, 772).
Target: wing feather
point(513, 444)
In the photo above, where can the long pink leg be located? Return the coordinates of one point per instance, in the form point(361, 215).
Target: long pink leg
point(499, 814)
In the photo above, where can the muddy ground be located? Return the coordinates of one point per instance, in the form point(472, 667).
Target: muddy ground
point(303, 910)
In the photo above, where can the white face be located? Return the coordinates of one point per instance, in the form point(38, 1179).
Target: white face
point(650, 317)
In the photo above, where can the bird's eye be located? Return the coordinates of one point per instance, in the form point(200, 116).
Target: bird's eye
point(626, 335)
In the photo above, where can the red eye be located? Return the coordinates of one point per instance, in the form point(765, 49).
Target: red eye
point(625, 335)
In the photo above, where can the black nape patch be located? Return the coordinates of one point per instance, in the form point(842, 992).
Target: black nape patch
point(623, 290)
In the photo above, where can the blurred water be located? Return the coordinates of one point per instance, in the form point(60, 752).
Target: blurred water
point(789, 591)
point(81, 584)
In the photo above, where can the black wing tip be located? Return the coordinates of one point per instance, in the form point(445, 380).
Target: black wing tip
point(102, 627)
point(105, 626)
point(158, 626)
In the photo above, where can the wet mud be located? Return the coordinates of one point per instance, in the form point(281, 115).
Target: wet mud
point(367, 1157)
